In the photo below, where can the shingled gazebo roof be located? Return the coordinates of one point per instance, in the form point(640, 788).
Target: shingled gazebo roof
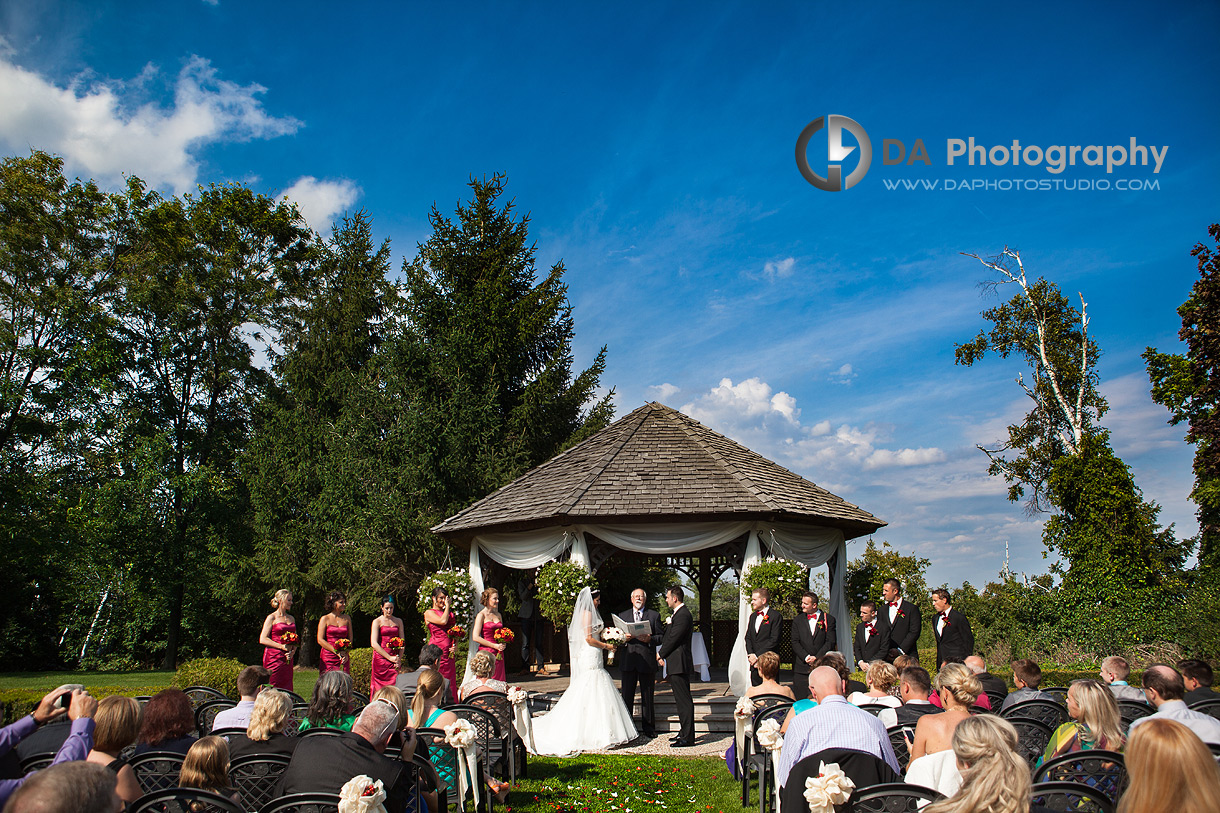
point(656, 465)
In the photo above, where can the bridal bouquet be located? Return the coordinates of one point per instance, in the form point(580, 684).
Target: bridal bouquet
point(616, 638)
point(503, 636)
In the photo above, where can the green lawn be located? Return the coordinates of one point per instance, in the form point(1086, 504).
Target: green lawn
point(597, 783)
point(49, 680)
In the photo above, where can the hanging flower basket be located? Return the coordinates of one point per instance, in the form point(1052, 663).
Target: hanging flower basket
point(459, 587)
point(784, 579)
point(559, 583)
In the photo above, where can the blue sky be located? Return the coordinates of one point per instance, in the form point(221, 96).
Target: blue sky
point(653, 145)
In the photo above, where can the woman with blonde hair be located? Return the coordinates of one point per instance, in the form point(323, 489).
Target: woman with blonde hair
point(1170, 770)
point(882, 681)
point(995, 778)
point(277, 653)
point(206, 767)
point(265, 734)
point(483, 631)
point(958, 689)
point(1095, 722)
point(768, 669)
point(483, 667)
point(116, 726)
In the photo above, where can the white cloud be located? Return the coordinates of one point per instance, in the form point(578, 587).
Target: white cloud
point(103, 131)
point(843, 375)
point(885, 458)
point(664, 391)
point(320, 201)
point(751, 398)
point(779, 269)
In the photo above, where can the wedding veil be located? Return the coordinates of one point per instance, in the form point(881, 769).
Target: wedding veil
point(585, 617)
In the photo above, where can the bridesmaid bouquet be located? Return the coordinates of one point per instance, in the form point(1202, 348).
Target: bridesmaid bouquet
point(290, 639)
point(395, 645)
point(616, 638)
point(503, 636)
point(342, 645)
point(456, 633)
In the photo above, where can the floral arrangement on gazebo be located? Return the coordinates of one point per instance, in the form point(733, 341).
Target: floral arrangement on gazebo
point(784, 579)
point(559, 583)
point(459, 587)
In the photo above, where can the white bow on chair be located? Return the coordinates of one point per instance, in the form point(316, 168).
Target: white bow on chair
point(770, 738)
point(522, 721)
point(829, 788)
point(361, 794)
point(460, 735)
point(743, 724)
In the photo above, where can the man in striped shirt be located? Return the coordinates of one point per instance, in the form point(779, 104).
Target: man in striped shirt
point(833, 723)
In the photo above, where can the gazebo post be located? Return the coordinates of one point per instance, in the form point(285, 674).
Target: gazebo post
point(705, 597)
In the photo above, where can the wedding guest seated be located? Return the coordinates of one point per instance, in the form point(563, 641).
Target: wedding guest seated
point(958, 689)
point(904, 661)
point(116, 726)
point(1114, 671)
point(76, 745)
point(331, 704)
point(1095, 723)
point(425, 713)
point(429, 656)
point(325, 764)
point(206, 767)
point(833, 723)
point(1169, 770)
point(1197, 675)
point(169, 723)
point(1164, 688)
point(837, 661)
point(483, 666)
point(993, 776)
point(882, 679)
point(768, 669)
point(78, 787)
point(391, 695)
point(992, 685)
point(248, 683)
point(1027, 675)
point(265, 734)
point(915, 685)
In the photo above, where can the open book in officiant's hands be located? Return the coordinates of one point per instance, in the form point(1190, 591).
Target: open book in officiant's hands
point(636, 629)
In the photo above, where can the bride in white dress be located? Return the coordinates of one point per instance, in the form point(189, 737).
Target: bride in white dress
point(590, 716)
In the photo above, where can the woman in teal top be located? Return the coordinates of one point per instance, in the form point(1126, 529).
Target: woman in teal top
point(424, 707)
point(331, 704)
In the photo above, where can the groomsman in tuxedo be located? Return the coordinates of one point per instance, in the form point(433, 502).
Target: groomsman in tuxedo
point(763, 631)
point(871, 639)
point(954, 640)
point(640, 661)
point(901, 620)
point(676, 655)
point(813, 635)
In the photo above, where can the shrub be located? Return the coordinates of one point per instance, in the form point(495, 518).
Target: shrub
point(559, 583)
point(17, 703)
point(457, 584)
point(361, 663)
point(784, 579)
point(216, 673)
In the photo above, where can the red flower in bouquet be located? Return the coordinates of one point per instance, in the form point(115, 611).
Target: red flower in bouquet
point(342, 645)
point(456, 633)
point(289, 639)
point(503, 636)
point(395, 645)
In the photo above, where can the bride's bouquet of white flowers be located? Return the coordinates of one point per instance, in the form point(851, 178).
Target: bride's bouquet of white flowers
point(616, 638)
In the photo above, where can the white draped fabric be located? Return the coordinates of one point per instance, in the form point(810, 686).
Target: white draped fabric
point(812, 546)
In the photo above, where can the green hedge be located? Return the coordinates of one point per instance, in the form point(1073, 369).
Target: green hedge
point(215, 673)
point(361, 661)
point(19, 702)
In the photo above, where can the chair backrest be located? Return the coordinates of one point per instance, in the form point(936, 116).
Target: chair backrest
point(1058, 693)
point(1032, 737)
point(1131, 710)
point(1073, 796)
point(184, 800)
point(1103, 770)
point(360, 698)
point(873, 708)
point(303, 803)
point(294, 697)
point(36, 762)
point(776, 712)
point(865, 770)
point(227, 732)
point(766, 701)
point(157, 770)
point(898, 742)
point(496, 704)
point(206, 712)
point(319, 732)
point(429, 778)
point(298, 713)
point(1044, 711)
point(198, 695)
point(444, 757)
point(485, 724)
point(892, 797)
point(1208, 707)
point(255, 776)
point(997, 700)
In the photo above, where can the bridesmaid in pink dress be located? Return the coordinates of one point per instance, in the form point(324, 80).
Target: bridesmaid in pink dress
point(336, 624)
point(439, 620)
point(385, 663)
point(277, 655)
point(486, 623)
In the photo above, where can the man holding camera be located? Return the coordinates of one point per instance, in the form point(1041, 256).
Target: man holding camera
point(74, 702)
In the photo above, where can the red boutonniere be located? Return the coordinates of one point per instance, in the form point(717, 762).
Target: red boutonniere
point(822, 622)
point(901, 614)
point(766, 619)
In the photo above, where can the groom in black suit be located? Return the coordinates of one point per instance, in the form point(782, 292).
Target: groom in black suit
point(954, 640)
point(640, 661)
point(813, 635)
point(763, 631)
point(675, 654)
point(900, 620)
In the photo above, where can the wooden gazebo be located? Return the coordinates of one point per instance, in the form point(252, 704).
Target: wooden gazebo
point(657, 483)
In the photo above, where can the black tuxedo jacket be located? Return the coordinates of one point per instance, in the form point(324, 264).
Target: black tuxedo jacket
point(638, 656)
point(874, 649)
point(675, 646)
point(904, 631)
point(806, 642)
point(768, 635)
point(325, 764)
point(955, 640)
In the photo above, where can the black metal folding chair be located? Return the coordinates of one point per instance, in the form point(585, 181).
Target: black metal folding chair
point(184, 800)
point(198, 695)
point(1102, 770)
point(303, 803)
point(1070, 796)
point(1032, 737)
point(255, 777)
point(206, 712)
point(157, 770)
point(892, 797)
point(756, 759)
point(1046, 712)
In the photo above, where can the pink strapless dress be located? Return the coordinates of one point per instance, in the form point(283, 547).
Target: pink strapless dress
point(489, 632)
point(438, 634)
point(329, 659)
point(277, 661)
point(384, 671)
